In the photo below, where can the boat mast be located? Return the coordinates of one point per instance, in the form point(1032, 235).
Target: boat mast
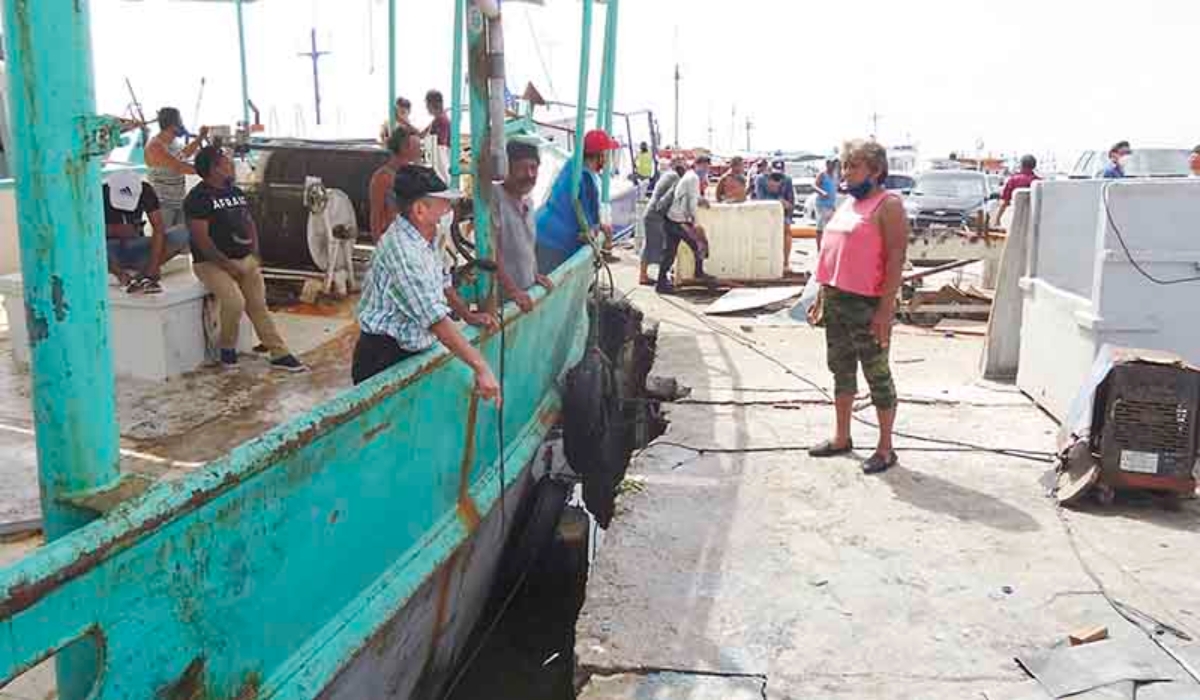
point(608, 83)
point(241, 25)
point(391, 110)
point(581, 107)
point(485, 43)
point(59, 141)
point(456, 96)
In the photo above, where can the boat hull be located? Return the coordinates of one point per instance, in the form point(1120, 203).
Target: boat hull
point(312, 555)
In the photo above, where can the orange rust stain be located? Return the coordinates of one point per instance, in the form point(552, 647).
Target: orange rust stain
point(442, 608)
point(468, 512)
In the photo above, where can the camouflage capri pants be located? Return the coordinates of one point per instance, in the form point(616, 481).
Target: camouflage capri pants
point(849, 342)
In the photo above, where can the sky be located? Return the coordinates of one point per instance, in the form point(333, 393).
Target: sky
point(1051, 77)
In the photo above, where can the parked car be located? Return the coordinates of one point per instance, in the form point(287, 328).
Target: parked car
point(1143, 162)
point(948, 198)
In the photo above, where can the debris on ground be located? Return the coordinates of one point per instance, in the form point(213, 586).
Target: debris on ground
point(1125, 663)
point(1087, 636)
point(748, 299)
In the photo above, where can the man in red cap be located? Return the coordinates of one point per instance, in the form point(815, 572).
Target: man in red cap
point(560, 224)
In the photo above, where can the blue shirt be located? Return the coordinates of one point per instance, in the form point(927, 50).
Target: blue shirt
point(787, 193)
point(404, 294)
point(557, 224)
point(1113, 171)
point(826, 182)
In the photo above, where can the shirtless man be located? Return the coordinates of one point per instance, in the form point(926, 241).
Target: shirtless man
point(405, 146)
point(732, 187)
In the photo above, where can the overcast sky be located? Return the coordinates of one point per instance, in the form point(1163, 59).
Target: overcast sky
point(1047, 76)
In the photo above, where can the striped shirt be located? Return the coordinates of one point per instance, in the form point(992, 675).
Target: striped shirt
point(404, 294)
point(169, 184)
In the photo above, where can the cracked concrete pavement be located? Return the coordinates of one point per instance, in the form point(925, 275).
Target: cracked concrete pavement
point(921, 583)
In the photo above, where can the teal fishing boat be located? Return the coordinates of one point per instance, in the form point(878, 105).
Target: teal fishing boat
point(346, 553)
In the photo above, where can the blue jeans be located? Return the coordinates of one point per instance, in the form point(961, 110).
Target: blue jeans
point(134, 253)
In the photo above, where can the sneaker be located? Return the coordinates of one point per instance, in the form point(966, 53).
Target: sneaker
point(151, 286)
point(137, 286)
point(260, 349)
point(229, 358)
point(664, 288)
point(289, 363)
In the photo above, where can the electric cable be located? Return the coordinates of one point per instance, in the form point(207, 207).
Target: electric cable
point(1125, 248)
point(745, 342)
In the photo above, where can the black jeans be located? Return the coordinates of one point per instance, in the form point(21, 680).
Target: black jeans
point(677, 233)
point(375, 353)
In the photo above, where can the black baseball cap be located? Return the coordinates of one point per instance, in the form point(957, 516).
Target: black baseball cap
point(415, 182)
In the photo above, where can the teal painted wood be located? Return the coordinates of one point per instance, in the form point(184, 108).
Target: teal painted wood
point(55, 163)
point(456, 95)
point(241, 26)
point(62, 251)
point(391, 63)
point(268, 571)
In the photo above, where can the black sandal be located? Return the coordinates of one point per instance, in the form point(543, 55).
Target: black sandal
point(828, 449)
point(877, 463)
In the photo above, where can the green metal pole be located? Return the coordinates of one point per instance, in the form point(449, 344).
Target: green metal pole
point(481, 161)
point(608, 86)
point(391, 63)
point(58, 143)
point(245, 76)
point(585, 60)
point(456, 96)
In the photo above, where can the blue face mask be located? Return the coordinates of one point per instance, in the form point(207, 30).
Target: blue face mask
point(861, 190)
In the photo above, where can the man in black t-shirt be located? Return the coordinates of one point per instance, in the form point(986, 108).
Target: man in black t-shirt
point(128, 202)
point(225, 256)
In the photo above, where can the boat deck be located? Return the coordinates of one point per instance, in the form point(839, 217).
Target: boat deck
point(171, 428)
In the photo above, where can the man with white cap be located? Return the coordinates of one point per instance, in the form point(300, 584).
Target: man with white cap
point(405, 308)
point(128, 202)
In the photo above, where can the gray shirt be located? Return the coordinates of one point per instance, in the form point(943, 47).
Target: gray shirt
point(516, 233)
point(664, 193)
point(687, 199)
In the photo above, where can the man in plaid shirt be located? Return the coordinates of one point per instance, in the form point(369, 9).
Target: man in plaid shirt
point(404, 308)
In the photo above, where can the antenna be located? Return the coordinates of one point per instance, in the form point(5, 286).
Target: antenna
point(315, 56)
point(749, 129)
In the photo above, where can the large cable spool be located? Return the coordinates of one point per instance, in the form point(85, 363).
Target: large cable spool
point(278, 194)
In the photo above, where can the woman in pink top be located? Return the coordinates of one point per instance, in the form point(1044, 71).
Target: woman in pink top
point(859, 268)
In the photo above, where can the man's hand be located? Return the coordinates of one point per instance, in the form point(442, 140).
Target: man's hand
point(545, 281)
point(881, 323)
point(524, 301)
point(486, 386)
point(483, 320)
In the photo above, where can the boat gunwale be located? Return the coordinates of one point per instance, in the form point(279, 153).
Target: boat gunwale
point(31, 578)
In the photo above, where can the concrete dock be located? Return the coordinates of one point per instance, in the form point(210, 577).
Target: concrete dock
point(737, 570)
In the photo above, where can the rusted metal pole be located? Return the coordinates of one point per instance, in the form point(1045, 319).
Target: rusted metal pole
point(58, 143)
